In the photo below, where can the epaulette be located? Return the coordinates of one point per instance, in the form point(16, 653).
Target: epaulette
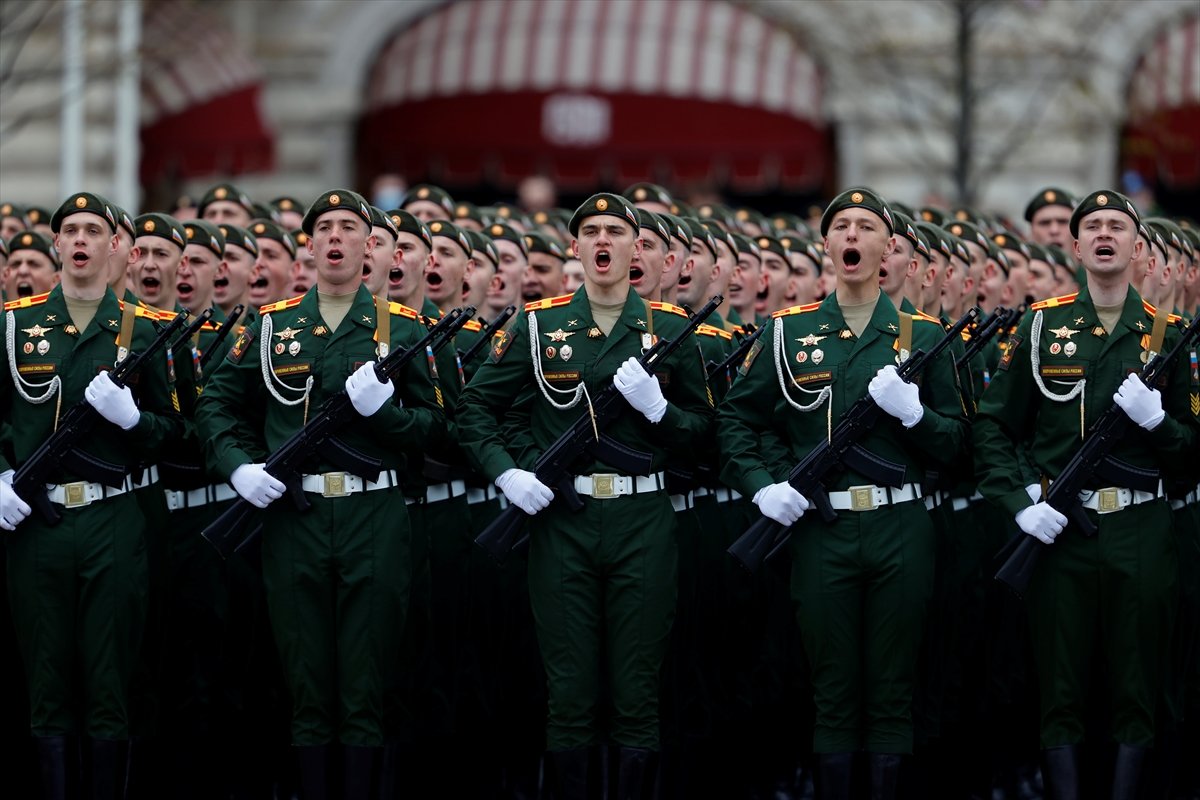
point(787, 312)
point(926, 318)
point(26, 302)
point(965, 334)
point(1065, 300)
point(712, 330)
point(1151, 310)
point(473, 326)
point(282, 305)
point(148, 312)
point(549, 302)
point(401, 310)
point(669, 308)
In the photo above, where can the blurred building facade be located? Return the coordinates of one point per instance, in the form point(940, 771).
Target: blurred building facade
point(754, 98)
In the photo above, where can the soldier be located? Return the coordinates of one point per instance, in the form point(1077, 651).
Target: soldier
point(544, 276)
point(805, 272)
point(232, 286)
point(406, 281)
point(198, 269)
point(290, 211)
point(12, 220)
point(337, 577)
point(122, 262)
point(468, 217)
point(646, 269)
point(1042, 282)
point(445, 278)
point(160, 242)
point(776, 269)
point(573, 275)
point(428, 203)
point(225, 204)
point(701, 268)
point(378, 268)
point(33, 267)
point(649, 196)
point(904, 264)
point(722, 275)
point(1049, 217)
point(747, 283)
point(481, 275)
point(601, 581)
point(272, 268)
point(862, 582)
point(304, 271)
point(514, 259)
point(78, 588)
point(681, 248)
point(1016, 291)
point(1113, 593)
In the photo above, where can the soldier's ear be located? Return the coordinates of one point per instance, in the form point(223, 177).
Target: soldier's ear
point(575, 248)
point(890, 247)
point(1138, 246)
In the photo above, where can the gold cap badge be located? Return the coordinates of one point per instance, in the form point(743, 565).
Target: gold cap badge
point(601, 204)
point(260, 228)
point(436, 227)
point(1050, 196)
point(764, 242)
point(1102, 200)
point(148, 225)
point(497, 230)
point(80, 201)
point(27, 239)
point(191, 233)
point(856, 197)
point(960, 215)
point(640, 194)
point(423, 193)
point(334, 200)
point(743, 214)
point(220, 193)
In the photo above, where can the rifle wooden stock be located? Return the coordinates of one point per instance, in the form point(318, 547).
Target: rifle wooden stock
point(1020, 556)
point(228, 532)
point(766, 537)
point(552, 467)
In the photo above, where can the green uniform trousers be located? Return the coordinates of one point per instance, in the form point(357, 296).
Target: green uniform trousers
point(1110, 597)
point(602, 584)
point(862, 586)
point(337, 580)
point(78, 597)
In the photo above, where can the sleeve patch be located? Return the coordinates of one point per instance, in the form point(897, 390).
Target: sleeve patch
point(241, 345)
point(1013, 345)
point(501, 341)
point(750, 356)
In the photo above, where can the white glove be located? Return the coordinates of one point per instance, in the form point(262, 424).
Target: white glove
point(1041, 522)
point(781, 502)
point(1142, 404)
point(897, 397)
point(367, 394)
point(12, 508)
point(114, 404)
point(524, 490)
point(256, 485)
point(641, 390)
point(1034, 490)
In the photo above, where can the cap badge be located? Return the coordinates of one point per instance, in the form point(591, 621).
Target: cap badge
point(764, 242)
point(640, 194)
point(334, 200)
point(260, 228)
point(1050, 196)
point(148, 225)
point(497, 230)
point(856, 197)
point(423, 193)
point(960, 215)
point(80, 201)
point(221, 193)
point(436, 227)
point(1102, 200)
point(27, 239)
point(601, 204)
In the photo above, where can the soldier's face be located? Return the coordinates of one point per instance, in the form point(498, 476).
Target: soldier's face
point(677, 255)
point(777, 271)
point(693, 285)
point(897, 267)
point(28, 273)
point(304, 271)
point(747, 281)
point(340, 243)
point(85, 243)
point(378, 267)
point(271, 272)
point(445, 280)
point(233, 277)
point(544, 277)
point(154, 273)
point(955, 285)
point(227, 212)
point(858, 241)
point(195, 277)
point(427, 210)
point(1108, 241)
point(1041, 280)
point(10, 227)
point(605, 245)
point(511, 270)
point(802, 281)
point(1016, 291)
point(1052, 225)
point(481, 276)
point(572, 274)
point(645, 271)
point(407, 274)
point(126, 255)
point(726, 264)
point(978, 263)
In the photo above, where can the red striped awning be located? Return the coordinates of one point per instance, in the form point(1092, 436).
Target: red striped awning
point(200, 110)
point(1162, 137)
point(597, 90)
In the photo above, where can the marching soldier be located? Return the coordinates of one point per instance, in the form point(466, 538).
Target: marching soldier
point(601, 581)
point(273, 267)
point(33, 267)
point(336, 577)
point(861, 583)
point(1114, 593)
point(78, 588)
point(225, 204)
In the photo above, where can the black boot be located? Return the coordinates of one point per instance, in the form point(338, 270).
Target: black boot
point(637, 768)
point(570, 773)
point(1060, 772)
point(835, 772)
point(52, 763)
point(1127, 773)
point(885, 773)
point(108, 769)
point(360, 768)
point(314, 771)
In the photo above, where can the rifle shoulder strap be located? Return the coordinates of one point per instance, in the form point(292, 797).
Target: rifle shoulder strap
point(1159, 331)
point(125, 338)
point(904, 341)
point(383, 327)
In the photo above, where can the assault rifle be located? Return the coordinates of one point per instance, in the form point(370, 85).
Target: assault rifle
point(222, 333)
point(985, 331)
point(467, 356)
point(766, 536)
point(60, 452)
point(737, 356)
point(229, 532)
point(1092, 460)
point(553, 466)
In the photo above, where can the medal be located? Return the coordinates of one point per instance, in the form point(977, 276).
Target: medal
point(279, 348)
point(293, 348)
point(43, 347)
point(565, 351)
point(550, 352)
point(28, 348)
point(1069, 348)
point(818, 356)
point(801, 357)
point(1055, 349)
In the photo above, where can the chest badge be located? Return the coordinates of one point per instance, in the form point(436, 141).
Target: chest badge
point(27, 348)
point(1069, 348)
point(320, 330)
point(559, 335)
point(818, 356)
point(594, 333)
point(551, 352)
point(287, 333)
point(801, 357)
point(1063, 332)
point(824, 326)
point(565, 351)
point(70, 330)
point(293, 348)
point(1141, 327)
point(43, 347)
point(1055, 349)
point(1079, 321)
point(279, 348)
point(36, 332)
point(845, 334)
point(810, 341)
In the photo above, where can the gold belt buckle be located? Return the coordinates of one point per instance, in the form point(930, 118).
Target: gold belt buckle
point(334, 484)
point(862, 498)
point(604, 485)
point(75, 495)
point(1110, 501)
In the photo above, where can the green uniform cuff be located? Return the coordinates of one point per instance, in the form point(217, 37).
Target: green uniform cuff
point(1015, 501)
point(497, 464)
point(755, 481)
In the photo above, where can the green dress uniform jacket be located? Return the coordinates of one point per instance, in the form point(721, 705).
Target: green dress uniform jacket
point(1114, 593)
point(78, 588)
point(602, 581)
point(337, 576)
point(862, 582)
